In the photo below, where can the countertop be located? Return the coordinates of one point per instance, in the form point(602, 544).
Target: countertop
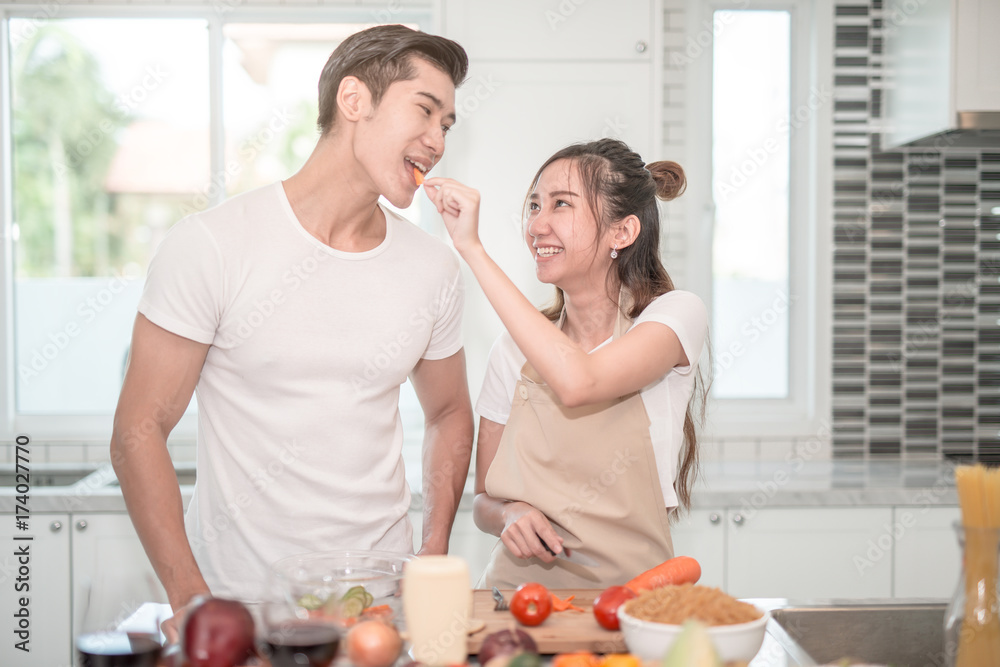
point(795, 483)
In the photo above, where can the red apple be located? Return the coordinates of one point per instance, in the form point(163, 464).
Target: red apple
point(218, 633)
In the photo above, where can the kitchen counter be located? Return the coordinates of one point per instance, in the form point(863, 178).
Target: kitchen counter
point(744, 485)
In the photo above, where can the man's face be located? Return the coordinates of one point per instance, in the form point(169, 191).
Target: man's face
point(407, 129)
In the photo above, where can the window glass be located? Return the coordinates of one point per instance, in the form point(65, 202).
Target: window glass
point(750, 173)
point(110, 147)
point(271, 73)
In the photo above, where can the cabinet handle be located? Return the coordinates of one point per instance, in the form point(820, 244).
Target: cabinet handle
point(55, 526)
point(738, 519)
point(714, 518)
point(81, 525)
point(641, 46)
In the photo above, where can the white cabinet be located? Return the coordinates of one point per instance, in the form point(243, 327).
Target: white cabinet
point(107, 552)
point(701, 534)
point(565, 30)
point(927, 556)
point(810, 553)
point(47, 577)
point(940, 71)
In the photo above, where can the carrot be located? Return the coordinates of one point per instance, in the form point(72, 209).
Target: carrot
point(382, 611)
point(679, 570)
point(562, 605)
point(418, 176)
point(578, 659)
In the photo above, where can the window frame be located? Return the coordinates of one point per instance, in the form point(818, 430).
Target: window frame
point(806, 411)
point(96, 429)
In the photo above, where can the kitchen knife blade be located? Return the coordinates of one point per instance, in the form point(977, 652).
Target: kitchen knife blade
point(571, 556)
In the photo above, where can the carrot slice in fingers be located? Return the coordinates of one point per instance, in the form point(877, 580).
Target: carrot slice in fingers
point(679, 570)
point(418, 175)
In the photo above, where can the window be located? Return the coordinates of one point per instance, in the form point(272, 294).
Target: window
point(750, 170)
point(120, 123)
point(762, 263)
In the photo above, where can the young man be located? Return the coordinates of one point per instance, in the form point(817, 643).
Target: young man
point(297, 310)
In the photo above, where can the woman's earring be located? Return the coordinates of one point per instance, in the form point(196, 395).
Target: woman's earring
point(614, 252)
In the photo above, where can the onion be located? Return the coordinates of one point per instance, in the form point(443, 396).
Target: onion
point(373, 643)
point(506, 642)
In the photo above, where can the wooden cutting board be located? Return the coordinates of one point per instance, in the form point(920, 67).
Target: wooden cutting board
point(562, 631)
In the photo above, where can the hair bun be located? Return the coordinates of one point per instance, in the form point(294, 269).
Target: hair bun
point(669, 177)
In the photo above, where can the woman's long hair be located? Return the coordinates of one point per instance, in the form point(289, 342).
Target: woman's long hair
point(617, 184)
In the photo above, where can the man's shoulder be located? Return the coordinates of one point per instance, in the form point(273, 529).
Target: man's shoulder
point(230, 225)
point(245, 207)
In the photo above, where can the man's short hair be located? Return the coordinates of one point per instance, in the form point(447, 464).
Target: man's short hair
point(380, 56)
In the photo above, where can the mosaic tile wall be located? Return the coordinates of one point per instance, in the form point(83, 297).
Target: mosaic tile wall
point(916, 314)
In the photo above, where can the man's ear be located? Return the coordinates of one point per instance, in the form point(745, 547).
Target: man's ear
point(353, 99)
point(627, 231)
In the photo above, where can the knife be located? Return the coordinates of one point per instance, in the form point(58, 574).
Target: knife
point(571, 556)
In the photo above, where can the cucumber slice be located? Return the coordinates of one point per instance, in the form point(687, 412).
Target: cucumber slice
point(310, 602)
point(354, 591)
point(352, 607)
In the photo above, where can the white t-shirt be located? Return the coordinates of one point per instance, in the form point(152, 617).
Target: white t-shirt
point(299, 433)
point(665, 399)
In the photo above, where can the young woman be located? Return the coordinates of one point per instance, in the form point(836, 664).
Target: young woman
point(586, 438)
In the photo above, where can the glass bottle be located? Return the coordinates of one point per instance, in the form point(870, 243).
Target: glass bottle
point(972, 621)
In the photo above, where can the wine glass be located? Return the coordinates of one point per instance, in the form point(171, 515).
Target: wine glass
point(292, 637)
point(120, 621)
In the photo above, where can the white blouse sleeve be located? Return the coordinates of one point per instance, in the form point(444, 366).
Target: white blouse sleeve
point(502, 373)
point(686, 315)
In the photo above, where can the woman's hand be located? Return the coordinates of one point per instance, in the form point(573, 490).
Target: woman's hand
point(524, 529)
point(459, 208)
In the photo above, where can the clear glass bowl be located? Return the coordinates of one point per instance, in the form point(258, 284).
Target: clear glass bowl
point(326, 585)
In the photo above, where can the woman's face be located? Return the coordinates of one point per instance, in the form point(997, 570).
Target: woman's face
point(561, 231)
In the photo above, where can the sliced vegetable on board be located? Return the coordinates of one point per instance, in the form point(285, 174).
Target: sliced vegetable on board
point(531, 604)
point(558, 604)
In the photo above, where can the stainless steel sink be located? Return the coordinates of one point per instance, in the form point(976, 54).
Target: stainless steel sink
point(49, 474)
point(903, 634)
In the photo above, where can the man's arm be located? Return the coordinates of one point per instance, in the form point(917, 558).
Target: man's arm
point(443, 391)
point(162, 372)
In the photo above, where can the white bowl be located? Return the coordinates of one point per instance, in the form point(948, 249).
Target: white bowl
point(651, 641)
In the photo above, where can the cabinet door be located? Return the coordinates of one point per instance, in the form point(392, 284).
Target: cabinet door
point(701, 534)
point(569, 30)
point(810, 553)
point(927, 556)
point(977, 82)
point(50, 640)
point(107, 548)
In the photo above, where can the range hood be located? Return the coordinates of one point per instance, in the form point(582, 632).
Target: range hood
point(942, 73)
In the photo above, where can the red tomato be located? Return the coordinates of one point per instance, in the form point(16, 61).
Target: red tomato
point(531, 604)
point(607, 603)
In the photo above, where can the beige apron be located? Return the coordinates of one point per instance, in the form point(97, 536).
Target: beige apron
point(592, 472)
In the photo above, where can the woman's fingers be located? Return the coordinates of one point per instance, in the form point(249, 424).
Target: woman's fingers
point(524, 535)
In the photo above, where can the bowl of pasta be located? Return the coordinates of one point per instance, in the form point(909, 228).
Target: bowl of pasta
point(652, 621)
